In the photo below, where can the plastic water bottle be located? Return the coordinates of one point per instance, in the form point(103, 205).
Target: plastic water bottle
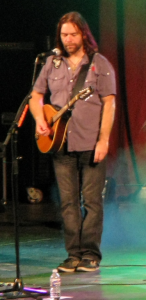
point(55, 285)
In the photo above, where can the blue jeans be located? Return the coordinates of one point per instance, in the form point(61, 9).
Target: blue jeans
point(76, 172)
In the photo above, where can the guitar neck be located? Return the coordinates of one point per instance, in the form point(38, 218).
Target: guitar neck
point(64, 109)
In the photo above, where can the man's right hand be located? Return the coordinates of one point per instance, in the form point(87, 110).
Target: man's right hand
point(42, 127)
point(36, 108)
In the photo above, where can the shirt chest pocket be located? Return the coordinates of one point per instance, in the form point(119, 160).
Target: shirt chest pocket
point(92, 80)
point(57, 82)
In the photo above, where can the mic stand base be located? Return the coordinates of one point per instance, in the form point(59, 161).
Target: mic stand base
point(16, 290)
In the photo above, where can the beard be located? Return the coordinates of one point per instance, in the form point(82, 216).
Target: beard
point(72, 48)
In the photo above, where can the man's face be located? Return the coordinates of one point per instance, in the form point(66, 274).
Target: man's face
point(71, 38)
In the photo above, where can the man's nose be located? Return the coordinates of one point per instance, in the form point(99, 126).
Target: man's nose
point(68, 38)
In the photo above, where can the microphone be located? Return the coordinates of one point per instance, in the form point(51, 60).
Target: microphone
point(55, 51)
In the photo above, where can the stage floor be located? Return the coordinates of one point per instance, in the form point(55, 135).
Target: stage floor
point(122, 273)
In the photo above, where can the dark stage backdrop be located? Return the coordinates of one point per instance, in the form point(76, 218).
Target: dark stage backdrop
point(28, 28)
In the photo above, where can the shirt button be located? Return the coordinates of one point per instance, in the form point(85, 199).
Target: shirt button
point(86, 80)
point(55, 78)
point(69, 131)
point(71, 80)
point(108, 73)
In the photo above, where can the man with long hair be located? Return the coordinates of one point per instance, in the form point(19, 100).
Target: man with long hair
point(80, 165)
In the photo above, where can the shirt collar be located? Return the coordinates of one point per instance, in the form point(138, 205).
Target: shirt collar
point(84, 60)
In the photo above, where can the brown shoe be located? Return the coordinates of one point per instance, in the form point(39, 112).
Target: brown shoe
point(87, 265)
point(69, 265)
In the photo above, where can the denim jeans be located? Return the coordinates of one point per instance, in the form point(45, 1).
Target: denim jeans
point(76, 173)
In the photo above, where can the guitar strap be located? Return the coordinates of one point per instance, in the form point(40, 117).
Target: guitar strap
point(81, 77)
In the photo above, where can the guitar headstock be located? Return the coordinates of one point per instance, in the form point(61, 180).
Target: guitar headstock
point(86, 93)
point(83, 94)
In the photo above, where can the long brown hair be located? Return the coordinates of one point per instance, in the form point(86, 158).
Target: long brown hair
point(89, 42)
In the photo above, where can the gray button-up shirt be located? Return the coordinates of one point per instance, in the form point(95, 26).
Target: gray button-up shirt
point(84, 124)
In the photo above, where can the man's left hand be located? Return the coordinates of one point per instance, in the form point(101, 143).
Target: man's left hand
point(101, 150)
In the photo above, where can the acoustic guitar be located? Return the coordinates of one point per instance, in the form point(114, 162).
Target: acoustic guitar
point(58, 121)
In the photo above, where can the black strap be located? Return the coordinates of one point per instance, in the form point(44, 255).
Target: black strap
point(81, 77)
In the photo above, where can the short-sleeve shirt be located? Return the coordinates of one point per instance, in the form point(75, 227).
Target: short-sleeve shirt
point(84, 124)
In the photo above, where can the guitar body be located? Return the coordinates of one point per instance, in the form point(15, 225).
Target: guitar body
point(53, 143)
point(58, 120)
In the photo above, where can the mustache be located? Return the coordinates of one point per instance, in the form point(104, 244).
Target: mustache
point(69, 44)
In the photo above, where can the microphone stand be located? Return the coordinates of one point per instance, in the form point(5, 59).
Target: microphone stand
point(3, 201)
point(12, 134)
